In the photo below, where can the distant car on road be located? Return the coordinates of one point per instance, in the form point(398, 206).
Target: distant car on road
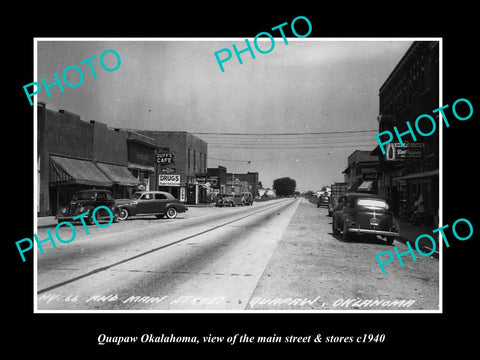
point(87, 200)
point(248, 198)
point(158, 203)
point(367, 214)
point(231, 200)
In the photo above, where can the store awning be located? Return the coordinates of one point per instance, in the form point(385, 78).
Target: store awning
point(418, 175)
point(119, 174)
point(75, 171)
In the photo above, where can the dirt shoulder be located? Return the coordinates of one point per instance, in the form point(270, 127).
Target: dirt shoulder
point(313, 270)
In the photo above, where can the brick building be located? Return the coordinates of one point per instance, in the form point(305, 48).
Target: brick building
point(412, 88)
point(184, 174)
point(242, 182)
point(73, 154)
point(361, 172)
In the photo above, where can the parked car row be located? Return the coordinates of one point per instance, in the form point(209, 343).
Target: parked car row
point(159, 203)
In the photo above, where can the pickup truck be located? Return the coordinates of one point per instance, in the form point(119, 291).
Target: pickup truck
point(231, 200)
point(336, 190)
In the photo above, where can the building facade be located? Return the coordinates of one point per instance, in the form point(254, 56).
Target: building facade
point(217, 179)
point(73, 155)
point(238, 183)
point(183, 168)
point(410, 173)
point(361, 172)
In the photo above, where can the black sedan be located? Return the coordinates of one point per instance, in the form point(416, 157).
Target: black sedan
point(85, 202)
point(158, 203)
point(366, 214)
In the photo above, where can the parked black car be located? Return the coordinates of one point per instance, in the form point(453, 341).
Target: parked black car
point(158, 203)
point(367, 214)
point(88, 200)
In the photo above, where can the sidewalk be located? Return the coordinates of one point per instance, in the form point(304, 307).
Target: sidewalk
point(410, 232)
point(46, 222)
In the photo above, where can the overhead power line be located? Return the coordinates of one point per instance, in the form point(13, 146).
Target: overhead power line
point(285, 134)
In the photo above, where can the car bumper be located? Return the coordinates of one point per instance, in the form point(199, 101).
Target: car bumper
point(373, 232)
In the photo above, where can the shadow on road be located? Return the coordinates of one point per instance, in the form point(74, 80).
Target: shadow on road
point(361, 239)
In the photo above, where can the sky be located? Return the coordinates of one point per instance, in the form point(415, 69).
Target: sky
point(302, 90)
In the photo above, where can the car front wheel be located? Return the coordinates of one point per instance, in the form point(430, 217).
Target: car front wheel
point(334, 229)
point(123, 214)
point(172, 213)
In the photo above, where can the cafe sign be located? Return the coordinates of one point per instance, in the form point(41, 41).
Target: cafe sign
point(164, 158)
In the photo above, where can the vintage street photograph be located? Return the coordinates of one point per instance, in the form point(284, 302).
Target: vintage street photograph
point(236, 175)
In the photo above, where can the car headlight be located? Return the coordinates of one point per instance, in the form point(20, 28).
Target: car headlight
point(64, 210)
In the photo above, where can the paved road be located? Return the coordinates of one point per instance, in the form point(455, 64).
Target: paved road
point(243, 258)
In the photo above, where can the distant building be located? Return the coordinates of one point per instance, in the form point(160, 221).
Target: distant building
point(242, 182)
point(361, 172)
point(266, 193)
point(217, 178)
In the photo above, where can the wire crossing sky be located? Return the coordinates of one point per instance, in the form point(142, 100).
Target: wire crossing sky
point(298, 112)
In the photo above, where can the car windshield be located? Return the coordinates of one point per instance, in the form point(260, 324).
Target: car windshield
point(136, 195)
point(373, 203)
point(84, 196)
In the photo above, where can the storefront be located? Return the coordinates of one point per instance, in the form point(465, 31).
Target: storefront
point(69, 175)
point(170, 183)
point(421, 186)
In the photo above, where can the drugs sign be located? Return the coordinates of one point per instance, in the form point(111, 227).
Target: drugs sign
point(169, 180)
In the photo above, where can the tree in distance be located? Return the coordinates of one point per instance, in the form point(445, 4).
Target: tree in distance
point(284, 186)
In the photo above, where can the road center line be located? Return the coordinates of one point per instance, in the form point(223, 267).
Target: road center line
point(153, 250)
